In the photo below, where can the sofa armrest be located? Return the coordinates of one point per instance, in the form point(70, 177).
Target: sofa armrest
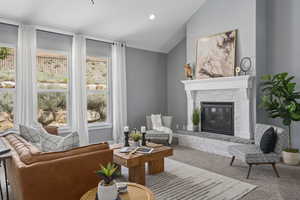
point(63, 178)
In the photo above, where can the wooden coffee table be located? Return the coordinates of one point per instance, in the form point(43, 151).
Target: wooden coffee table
point(136, 162)
point(135, 192)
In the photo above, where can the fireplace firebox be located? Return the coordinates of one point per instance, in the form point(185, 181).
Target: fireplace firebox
point(217, 117)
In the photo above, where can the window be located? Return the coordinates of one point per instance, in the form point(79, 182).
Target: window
point(8, 43)
point(97, 80)
point(53, 79)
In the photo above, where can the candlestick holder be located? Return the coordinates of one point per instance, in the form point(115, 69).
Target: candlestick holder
point(143, 138)
point(126, 141)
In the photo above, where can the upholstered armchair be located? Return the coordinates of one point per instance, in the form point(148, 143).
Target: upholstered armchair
point(159, 135)
point(251, 153)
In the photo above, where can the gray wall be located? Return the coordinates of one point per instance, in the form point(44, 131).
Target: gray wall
point(146, 89)
point(176, 97)
point(261, 55)
point(218, 16)
point(146, 85)
point(283, 44)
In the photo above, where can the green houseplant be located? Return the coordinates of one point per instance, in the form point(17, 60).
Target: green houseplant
point(196, 119)
point(136, 137)
point(281, 100)
point(107, 188)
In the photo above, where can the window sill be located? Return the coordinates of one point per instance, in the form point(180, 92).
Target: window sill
point(99, 126)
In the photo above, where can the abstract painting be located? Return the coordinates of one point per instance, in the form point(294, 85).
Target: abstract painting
point(216, 55)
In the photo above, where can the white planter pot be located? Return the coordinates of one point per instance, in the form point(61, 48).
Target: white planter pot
point(136, 144)
point(290, 158)
point(107, 192)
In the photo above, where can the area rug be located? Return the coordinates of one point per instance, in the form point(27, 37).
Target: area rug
point(181, 181)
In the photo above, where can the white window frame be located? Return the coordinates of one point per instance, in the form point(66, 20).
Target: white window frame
point(68, 90)
point(108, 123)
point(13, 90)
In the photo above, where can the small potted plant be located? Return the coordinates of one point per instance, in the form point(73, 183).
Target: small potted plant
point(196, 120)
point(136, 137)
point(107, 188)
point(282, 101)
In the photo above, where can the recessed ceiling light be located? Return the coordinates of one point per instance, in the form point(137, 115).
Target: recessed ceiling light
point(152, 17)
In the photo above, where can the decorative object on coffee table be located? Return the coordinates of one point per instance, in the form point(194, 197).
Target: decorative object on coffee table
point(107, 188)
point(143, 131)
point(126, 138)
point(136, 136)
point(196, 119)
point(136, 162)
point(281, 100)
point(135, 192)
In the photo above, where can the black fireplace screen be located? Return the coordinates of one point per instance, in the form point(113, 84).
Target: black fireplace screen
point(217, 117)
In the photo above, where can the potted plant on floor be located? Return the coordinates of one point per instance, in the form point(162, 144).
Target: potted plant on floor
point(280, 100)
point(107, 188)
point(196, 119)
point(136, 137)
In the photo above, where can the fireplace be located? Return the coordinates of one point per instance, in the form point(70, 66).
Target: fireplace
point(217, 117)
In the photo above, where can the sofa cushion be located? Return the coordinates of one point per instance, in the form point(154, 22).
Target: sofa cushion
point(29, 133)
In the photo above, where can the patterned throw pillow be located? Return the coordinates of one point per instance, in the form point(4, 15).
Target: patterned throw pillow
point(30, 134)
point(53, 143)
point(69, 142)
point(49, 142)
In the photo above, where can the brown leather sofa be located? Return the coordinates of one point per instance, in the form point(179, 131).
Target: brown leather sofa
point(67, 175)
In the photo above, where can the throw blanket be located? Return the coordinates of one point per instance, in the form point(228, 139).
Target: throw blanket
point(165, 130)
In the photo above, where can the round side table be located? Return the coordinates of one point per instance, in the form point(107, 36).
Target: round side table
point(135, 192)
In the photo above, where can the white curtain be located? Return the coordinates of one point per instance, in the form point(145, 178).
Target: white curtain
point(79, 99)
point(26, 98)
point(119, 90)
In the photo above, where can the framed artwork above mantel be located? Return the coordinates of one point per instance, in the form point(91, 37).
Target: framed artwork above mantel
point(215, 55)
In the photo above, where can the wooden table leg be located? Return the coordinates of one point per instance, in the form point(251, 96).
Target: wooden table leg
point(156, 166)
point(137, 174)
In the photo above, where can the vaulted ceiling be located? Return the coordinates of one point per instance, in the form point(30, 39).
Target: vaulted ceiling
point(125, 20)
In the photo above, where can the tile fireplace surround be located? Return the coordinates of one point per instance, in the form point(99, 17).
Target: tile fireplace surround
point(238, 89)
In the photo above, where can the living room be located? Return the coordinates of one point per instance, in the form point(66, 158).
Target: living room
point(193, 99)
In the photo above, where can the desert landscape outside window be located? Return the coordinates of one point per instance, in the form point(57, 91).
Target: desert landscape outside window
point(7, 87)
point(52, 83)
point(97, 90)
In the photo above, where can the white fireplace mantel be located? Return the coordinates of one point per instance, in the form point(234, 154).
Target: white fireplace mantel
point(240, 85)
point(223, 83)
